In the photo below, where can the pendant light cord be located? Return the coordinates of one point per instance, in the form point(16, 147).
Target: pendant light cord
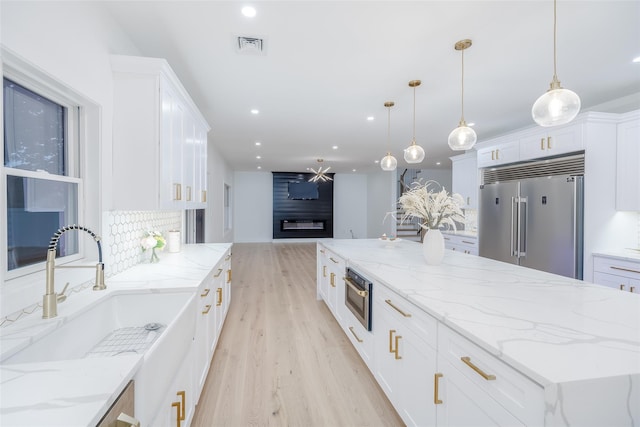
point(389, 128)
point(462, 91)
point(555, 75)
point(414, 114)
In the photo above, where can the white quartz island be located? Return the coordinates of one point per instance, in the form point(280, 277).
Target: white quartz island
point(578, 341)
point(78, 392)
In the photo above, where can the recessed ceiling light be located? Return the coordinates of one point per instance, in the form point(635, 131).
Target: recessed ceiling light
point(249, 11)
point(258, 143)
point(254, 111)
point(636, 59)
point(258, 157)
point(353, 170)
point(376, 161)
point(335, 147)
point(370, 118)
point(259, 167)
point(437, 163)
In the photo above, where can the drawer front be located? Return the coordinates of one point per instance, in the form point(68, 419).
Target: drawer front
point(406, 314)
point(628, 269)
point(514, 391)
point(361, 339)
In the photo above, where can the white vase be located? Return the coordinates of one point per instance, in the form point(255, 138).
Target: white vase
point(433, 247)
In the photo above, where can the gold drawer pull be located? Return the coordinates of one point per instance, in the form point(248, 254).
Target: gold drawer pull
point(469, 243)
point(331, 258)
point(204, 196)
point(219, 303)
point(388, 301)
point(622, 287)
point(324, 271)
point(321, 251)
point(177, 192)
point(632, 289)
point(229, 276)
point(218, 273)
point(436, 380)
point(542, 143)
point(207, 308)
point(625, 269)
point(467, 361)
point(227, 258)
point(332, 280)
point(182, 395)
point(549, 143)
point(397, 347)
point(205, 293)
point(354, 334)
point(177, 406)
point(188, 193)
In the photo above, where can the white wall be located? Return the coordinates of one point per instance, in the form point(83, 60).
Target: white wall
point(252, 206)
point(349, 218)
point(218, 174)
point(381, 198)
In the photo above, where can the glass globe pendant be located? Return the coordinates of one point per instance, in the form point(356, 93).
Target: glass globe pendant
point(414, 153)
point(557, 106)
point(462, 137)
point(388, 162)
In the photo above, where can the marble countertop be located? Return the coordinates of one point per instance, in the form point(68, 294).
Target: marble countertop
point(78, 392)
point(551, 328)
point(628, 254)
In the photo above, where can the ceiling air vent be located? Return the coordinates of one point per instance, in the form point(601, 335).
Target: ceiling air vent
point(250, 45)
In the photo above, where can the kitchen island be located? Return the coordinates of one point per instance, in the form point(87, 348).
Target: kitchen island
point(570, 350)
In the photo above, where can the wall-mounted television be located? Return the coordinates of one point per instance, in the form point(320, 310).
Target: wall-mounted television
point(303, 190)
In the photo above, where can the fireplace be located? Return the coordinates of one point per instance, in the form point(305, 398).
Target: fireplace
point(302, 224)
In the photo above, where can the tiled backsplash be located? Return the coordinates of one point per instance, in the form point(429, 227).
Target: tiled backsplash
point(125, 229)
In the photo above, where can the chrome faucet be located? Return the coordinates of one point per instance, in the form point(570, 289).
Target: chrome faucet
point(51, 299)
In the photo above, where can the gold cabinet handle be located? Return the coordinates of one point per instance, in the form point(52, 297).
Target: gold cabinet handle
point(360, 293)
point(467, 361)
point(205, 293)
point(331, 258)
point(227, 258)
point(183, 398)
point(436, 381)
point(332, 280)
point(207, 308)
point(493, 153)
point(321, 251)
point(632, 289)
point(177, 191)
point(624, 269)
point(354, 334)
point(177, 406)
point(204, 196)
point(622, 287)
point(188, 193)
point(542, 143)
point(469, 243)
point(549, 143)
point(388, 301)
point(219, 292)
point(324, 271)
point(229, 276)
point(391, 332)
point(218, 273)
point(396, 350)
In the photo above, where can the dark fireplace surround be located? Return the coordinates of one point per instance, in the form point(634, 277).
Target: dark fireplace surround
point(294, 218)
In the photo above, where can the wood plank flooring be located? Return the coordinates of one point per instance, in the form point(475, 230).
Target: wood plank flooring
point(282, 359)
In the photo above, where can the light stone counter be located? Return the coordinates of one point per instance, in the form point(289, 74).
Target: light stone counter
point(569, 336)
point(78, 392)
point(632, 255)
point(462, 233)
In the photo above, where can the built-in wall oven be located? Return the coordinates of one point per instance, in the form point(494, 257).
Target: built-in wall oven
point(357, 297)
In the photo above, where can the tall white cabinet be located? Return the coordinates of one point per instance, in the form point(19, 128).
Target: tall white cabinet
point(159, 139)
point(628, 163)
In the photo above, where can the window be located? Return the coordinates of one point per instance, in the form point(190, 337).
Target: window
point(40, 171)
point(227, 207)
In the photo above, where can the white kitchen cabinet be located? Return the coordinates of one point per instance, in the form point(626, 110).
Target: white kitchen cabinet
point(159, 139)
point(498, 152)
point(547, 142)
point(461, 243)
point(405, 356)
point(472, 387)
point(362, 340)
point(331, 277)
point(617, 273)
point(464, 178)
point(178, 408)
point(205, 328)
point(628, 161)
point(323, 274)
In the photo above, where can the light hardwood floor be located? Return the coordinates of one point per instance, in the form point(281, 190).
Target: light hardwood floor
point(282, 359)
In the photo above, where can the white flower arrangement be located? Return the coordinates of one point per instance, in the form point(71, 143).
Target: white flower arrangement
point(153, 240)
point(432, 208)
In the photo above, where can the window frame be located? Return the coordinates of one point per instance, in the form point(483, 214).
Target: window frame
point(41, 84)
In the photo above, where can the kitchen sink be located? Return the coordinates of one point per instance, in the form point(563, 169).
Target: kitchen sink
point(162, 319)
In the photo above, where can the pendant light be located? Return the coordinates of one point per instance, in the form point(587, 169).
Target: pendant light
point(320, 175)
point(388, 162)
point(462, 137)
point(414, 153)
point(557, 106)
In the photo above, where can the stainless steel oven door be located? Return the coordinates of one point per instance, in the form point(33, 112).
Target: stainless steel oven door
point(357, 299)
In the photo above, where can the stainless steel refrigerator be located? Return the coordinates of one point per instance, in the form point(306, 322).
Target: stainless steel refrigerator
point(534, 222)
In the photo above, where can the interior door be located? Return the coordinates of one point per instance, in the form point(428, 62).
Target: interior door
point(552, 213)
point(496, 221)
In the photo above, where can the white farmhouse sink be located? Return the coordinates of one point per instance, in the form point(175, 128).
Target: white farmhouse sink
point(81, 331)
